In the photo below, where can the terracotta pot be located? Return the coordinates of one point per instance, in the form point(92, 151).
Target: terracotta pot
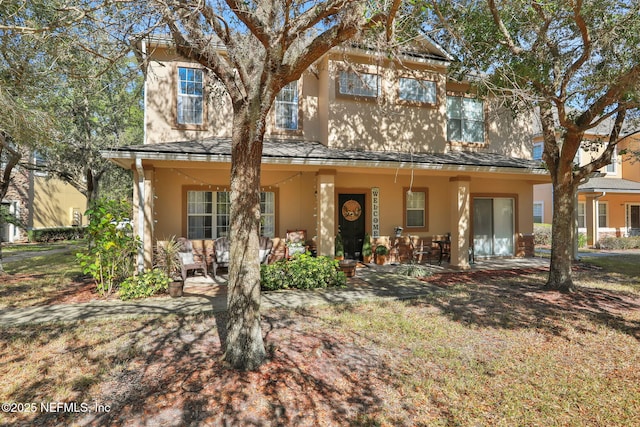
point(348, 267)
point(367, 259)
point(381, 259)
point(176, 288)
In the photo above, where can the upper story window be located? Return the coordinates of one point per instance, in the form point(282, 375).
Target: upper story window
point(359, 84)
point(538, 148)
point(190, 96)
point(286, 105)
point(422, 91)
point(465, 119)
point(40, 164)
point(611, 168)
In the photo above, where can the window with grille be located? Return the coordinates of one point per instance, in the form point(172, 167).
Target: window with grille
point(465, 119)
point(190, 96)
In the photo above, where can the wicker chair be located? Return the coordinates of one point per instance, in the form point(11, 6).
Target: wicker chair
point(187, 260)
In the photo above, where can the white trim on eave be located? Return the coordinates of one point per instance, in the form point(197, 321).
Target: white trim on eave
point(301, 161)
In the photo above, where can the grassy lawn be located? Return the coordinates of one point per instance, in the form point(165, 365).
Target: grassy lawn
point(494, 350)
point(16, 248)
point(41, 279)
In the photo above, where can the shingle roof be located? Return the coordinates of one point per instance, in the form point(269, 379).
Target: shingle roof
point(305, 152)
point(611, 185)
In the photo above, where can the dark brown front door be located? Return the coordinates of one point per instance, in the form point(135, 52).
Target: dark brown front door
point(351, 223)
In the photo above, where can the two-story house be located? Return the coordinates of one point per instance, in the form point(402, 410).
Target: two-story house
point(359, 144)
point(608, 202)
point(40, 201)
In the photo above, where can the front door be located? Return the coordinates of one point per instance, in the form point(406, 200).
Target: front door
point(351, 223)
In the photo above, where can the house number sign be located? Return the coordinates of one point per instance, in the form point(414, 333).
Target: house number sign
point(375, 212)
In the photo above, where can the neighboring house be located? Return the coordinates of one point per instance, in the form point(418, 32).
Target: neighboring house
point(40, 202)
point(608, 204)
point(352, 147)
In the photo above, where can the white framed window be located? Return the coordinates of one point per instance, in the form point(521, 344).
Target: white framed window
point(208, 214)
point(190, 96)
point(423, 91)
point(416, 209)
point(40, 163)
point(603, 217)
point(268, 213)
point(465, 119)
point(581, 215)
point(612, 168)
point(359, 84)
point(538, 212)
point(538, 149)
point(286, 105)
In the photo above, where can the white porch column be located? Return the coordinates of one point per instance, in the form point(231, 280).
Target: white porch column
point(143, 225)
point(326, 211)
point(460, 197)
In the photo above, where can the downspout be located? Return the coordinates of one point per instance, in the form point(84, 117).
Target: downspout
point(141, 199)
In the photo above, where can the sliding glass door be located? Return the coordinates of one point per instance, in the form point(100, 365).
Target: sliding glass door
point(493, 226)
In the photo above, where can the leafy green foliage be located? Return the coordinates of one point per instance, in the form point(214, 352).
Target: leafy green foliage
point(632, 242)
point(302, 272)
point(413, 269)
point(382, 250)
point(110, 257)
point(56, 234)
point(339, 245)
point(149, 283)
point(366, 245)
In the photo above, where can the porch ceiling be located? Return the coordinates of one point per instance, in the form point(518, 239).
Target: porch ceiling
point(292, 152)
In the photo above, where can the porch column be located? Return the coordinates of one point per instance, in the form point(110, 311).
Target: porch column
point(591, 219)
point(460, 197)
point(326, 211)
point(143, 225)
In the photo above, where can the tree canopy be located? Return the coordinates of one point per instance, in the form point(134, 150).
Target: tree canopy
point(577, 62)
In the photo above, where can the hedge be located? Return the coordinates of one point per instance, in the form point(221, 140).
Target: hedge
point(55, 234)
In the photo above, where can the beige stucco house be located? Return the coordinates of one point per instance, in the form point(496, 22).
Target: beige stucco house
point(609, 203)
point(41, 201)
point(357, 145)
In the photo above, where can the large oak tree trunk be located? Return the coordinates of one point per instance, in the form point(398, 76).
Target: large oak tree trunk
point(562, 245)
point(244, 343)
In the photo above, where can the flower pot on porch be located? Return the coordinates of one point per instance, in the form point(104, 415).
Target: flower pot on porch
point(381, 259)
point(348, 266)
point(176, 288)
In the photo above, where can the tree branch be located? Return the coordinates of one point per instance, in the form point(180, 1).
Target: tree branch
point(516, 50)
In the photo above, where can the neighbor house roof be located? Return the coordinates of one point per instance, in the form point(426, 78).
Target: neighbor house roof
point(610, 185)
point(314, 153)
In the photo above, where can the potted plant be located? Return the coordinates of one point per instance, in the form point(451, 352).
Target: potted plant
point(367, 250)
point(381, 254)
point(339, 247)
point(168, 260)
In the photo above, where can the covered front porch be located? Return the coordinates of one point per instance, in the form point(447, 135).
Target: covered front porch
point(479, 200)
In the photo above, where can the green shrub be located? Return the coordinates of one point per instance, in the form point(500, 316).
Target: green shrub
point(302, 272)
point(144, 285)
point(413, 269)
point(632, 242)
point(582, 240)
point(111, 247)
point(56, 234)
point(542, 234)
